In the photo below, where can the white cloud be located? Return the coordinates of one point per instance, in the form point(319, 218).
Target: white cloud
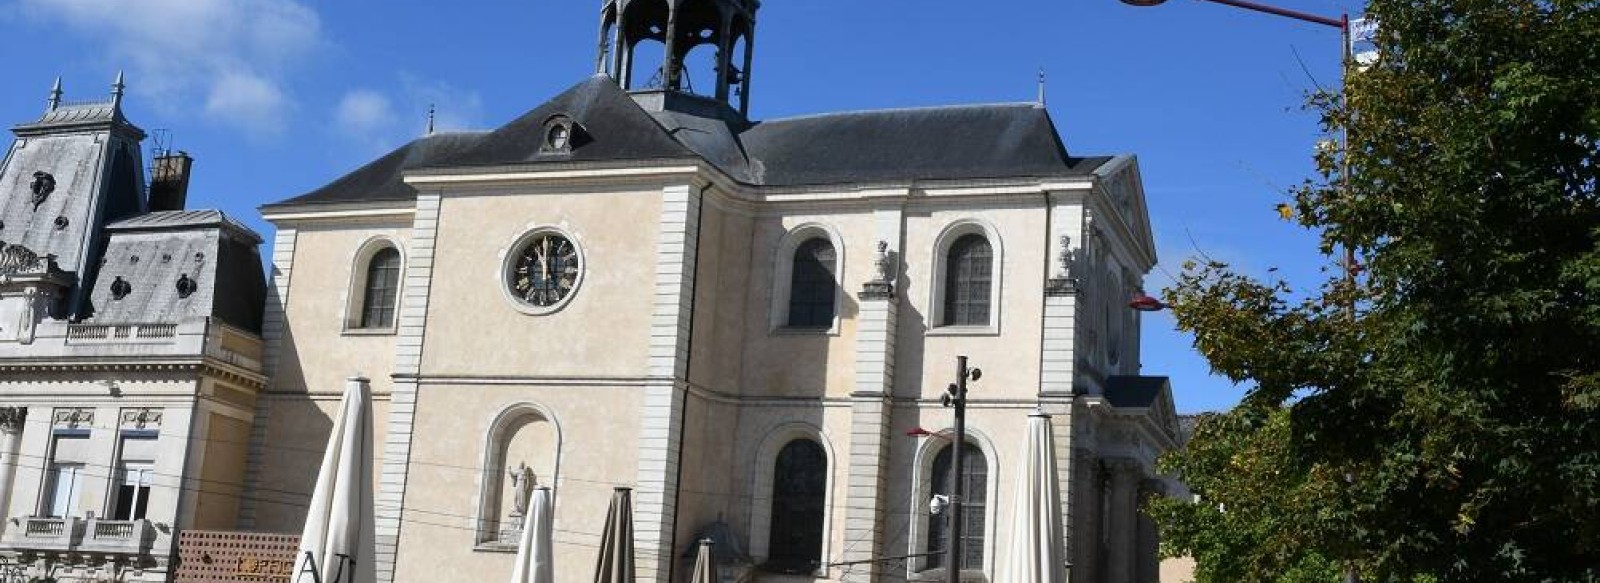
point(366, 116)
point(248, 101)
point(232, 53)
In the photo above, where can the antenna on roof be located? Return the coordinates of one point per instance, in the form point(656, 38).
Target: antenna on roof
point(55, 94)
point(430, 119)
point(1041, 86)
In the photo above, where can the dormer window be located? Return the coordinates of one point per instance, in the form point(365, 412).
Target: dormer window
point(558, 137)
point(559, 133)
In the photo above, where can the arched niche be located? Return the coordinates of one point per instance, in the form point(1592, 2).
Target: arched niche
point(524, 433)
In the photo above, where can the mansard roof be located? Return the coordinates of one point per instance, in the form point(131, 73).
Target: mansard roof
point(611, 127)
point(185, 219)
point(216, 256)
point(78, 115)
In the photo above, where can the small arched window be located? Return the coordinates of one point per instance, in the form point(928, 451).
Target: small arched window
point(974, 509)
point(382, 290)
point(812, 285)
point(799, 495)
point(969, 275)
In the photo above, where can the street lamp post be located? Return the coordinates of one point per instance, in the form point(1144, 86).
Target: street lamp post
point(956, 397)
point(1343, 24)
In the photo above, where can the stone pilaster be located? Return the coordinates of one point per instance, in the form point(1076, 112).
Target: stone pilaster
point(1123, 505)
point(11, 423)
point(413, 317)
point(870, 417)
point(661, 431)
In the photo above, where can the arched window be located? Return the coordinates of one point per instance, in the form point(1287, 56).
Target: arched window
point(812, 285)
point(969, 275)
point(382, 290)
point(799, 495)
point(974, 510)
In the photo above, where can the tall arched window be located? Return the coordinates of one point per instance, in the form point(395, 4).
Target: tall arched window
point(974, 510)
point(969, 273)
point(382, 289)
point(812, 285)
point(799, 494)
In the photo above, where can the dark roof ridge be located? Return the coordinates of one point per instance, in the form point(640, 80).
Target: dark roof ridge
point(915, 109)
point(182, 219)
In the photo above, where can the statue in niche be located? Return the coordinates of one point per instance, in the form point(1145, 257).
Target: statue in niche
point(522, 482)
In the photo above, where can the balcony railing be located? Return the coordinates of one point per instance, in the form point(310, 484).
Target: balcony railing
point(44, 534)
point(124, 537)
point(128, 537)
point(121, 332)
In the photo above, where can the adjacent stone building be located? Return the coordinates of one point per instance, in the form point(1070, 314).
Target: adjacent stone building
point(750, 322)
point(130, 351)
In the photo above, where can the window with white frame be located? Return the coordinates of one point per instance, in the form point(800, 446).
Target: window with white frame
point(66, 479)
point(134, 480)
point(974, 510)
point(66, 485)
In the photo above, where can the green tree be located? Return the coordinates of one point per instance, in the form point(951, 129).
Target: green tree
point(1437, 417)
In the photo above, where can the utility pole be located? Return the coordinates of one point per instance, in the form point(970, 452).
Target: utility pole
point(956, 396)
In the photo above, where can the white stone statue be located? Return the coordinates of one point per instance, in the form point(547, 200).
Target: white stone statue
point(1065, 258)
point(522, 482)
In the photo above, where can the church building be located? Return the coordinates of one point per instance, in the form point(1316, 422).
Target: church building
point(750, 323)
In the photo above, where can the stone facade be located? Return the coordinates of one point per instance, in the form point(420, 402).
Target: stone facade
point(665, 361)
point(130, 354)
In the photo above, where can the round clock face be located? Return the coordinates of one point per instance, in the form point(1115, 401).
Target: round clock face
point(545, 270)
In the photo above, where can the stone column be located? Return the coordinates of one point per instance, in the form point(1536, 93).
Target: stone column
point(1123, 505)
point(1147, 554)
point(1085, 526)
point(11, 423)
point(870, 416)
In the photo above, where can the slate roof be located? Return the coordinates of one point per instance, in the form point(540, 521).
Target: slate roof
point(153, 252)
point(380, 180)
point(185, 219)
point(75, 114)
point(1134, 391)
point(887, 146)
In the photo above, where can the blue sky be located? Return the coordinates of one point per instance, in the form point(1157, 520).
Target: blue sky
point(276, 97)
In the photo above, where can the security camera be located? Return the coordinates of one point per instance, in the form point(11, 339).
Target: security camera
point(937, 505)
point(977, 373)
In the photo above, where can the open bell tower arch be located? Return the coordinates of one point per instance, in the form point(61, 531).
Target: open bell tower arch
point(692, 35)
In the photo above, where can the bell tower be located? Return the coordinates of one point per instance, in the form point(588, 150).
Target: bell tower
point(699, 48)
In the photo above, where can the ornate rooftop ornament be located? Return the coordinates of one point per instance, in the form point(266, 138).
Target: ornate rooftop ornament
point(1063, 283)
point(887, 269)
point(43, 184)
point(16, 259)
point(186, 286)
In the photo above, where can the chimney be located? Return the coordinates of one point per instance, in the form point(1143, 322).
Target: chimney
point(169, 181)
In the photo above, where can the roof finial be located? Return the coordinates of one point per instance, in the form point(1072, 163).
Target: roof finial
point(55, 94)
point(430, 118)
point(1041, 86)
point(116, 89)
